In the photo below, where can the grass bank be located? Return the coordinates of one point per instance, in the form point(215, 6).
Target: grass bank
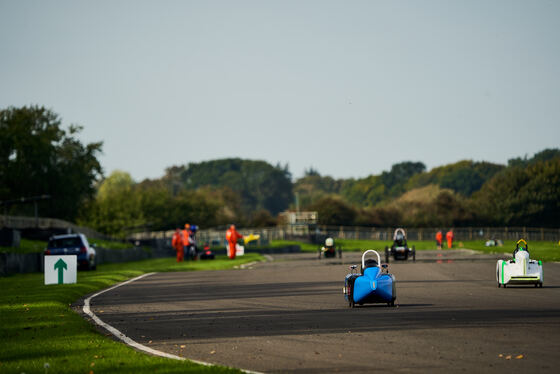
point(38, 246)
point(26, 246)
point(539, 250)
point(352, 244)
point(39, 329)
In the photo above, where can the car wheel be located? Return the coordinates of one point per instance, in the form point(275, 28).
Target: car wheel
point(91, 263)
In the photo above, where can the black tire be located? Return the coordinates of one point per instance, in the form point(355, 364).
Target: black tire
point(91, 263)
point(504, 285)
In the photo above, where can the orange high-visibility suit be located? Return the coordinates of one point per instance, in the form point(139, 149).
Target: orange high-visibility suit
point(177, 243)
point(449, 237)
point(232, 236)
point(439, 239)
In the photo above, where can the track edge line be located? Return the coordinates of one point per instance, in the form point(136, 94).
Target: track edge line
point(130, 342)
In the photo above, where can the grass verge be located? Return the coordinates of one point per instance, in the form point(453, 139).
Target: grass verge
point(37, 246)
point(352, 244)
point(26, 246)
point(38, 327)
point(539, 250)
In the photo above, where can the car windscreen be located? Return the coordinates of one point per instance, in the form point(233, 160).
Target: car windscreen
point(65, 242)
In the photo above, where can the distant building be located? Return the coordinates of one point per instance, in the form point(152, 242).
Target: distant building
point(298, 218)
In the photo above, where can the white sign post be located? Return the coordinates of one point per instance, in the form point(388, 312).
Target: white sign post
point(239, 250)
point(61, 269)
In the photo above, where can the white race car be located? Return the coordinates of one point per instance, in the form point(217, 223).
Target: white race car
point(521, 269)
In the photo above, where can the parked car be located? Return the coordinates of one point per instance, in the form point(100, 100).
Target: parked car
point(73, 244)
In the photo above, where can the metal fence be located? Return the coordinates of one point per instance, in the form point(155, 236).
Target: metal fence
point(46, 224)
point(303, 232)
point(460, 233)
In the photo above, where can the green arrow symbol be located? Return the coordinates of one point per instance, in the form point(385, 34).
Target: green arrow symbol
point(61, 266)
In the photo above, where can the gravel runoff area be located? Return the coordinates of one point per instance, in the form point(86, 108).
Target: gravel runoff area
point(289, 315)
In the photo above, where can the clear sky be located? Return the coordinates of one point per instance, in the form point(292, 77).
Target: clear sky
point(347, 87)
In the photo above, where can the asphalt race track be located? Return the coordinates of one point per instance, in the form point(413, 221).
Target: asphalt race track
point(289, 315)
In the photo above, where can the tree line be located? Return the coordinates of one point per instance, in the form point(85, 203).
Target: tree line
point(38, 156)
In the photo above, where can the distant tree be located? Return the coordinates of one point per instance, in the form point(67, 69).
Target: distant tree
point(260, 185)
point(38, 156)
point(395, 179)
point(544, 155)
point(367, 191)
point(465, 181)
point(118, 181)
point(464, 177)
point(262, 218)
point(117, 208)
point(380, 217)
point(522, 196)
point(374, 189)
point(311, 172)
point(311, 188)
point(334, 211)
point(123, 206)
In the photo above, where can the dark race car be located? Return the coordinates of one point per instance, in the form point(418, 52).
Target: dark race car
point(400, 249)
point(207, 253)
point(329, 250)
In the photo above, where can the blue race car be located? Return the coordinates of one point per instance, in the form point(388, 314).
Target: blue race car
point(373, 285)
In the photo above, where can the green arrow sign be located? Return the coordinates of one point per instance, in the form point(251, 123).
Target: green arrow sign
point(61, 266)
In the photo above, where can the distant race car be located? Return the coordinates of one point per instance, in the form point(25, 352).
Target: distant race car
point(373, 284)
point(329, 250)
point(400, 249)
point(521, 269)
point(207, 253)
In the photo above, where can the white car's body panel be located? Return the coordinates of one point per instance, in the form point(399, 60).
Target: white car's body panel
point(520, 270)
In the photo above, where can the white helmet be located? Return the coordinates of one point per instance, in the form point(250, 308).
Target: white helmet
point(329, 242)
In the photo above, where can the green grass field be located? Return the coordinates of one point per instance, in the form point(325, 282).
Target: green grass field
point(27, 246)
point(540, 250)
point(37, 246)
point(38, 326)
